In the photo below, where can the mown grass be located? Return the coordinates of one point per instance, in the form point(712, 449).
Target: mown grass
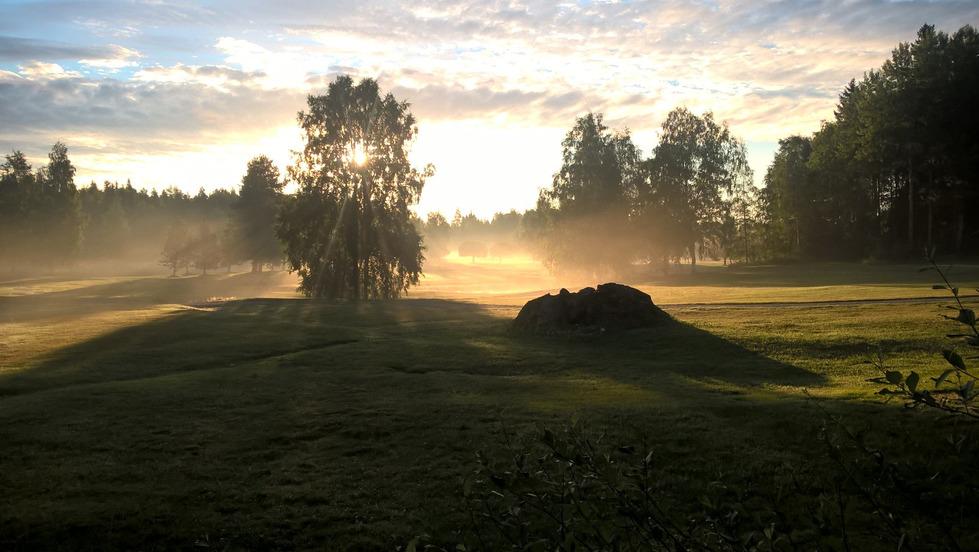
point(144, 414)
point(517, 281)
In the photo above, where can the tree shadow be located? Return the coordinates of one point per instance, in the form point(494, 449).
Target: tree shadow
point(250, 419)
point(424, 335)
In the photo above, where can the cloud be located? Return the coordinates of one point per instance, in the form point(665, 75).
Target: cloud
point(442, 102)
point(39, 70)
point(119, 57)
point(19, 50)
point(149, 116)
point(222, 78)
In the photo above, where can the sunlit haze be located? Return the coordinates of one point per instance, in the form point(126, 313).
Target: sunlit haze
point(184, 93)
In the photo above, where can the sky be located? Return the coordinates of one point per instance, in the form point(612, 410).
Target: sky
point(174, 93)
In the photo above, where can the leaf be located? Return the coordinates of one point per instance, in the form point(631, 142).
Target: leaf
point(412, 545)
point(941, 379)
point(912, 381)
point(893, 376)
point(967, 316)
point(954, 359)
point(939, 286)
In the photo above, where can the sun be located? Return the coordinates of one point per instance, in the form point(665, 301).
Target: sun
point(358, 154)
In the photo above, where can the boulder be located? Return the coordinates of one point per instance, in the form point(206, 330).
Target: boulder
point(610, 306)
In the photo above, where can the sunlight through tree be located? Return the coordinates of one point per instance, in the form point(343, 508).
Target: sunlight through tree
point(348, 230)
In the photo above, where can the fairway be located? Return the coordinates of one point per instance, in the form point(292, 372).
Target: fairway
point(224, 411)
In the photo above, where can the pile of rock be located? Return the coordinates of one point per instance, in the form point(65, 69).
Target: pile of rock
point(610, 307)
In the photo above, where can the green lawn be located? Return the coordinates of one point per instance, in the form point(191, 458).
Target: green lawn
point(150, 414)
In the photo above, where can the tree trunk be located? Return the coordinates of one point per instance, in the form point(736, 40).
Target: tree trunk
point(878, 210)
point(693, 256)
point(798, 241)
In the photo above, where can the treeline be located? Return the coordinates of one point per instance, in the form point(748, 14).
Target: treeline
point(46, 222)
point(246, 233)
point(470, 236)
point(897, 168)
point(893, 173)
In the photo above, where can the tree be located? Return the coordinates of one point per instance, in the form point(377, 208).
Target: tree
point(473, 249)
point(231, 246)
point(56, 218)
point(106, 233)
point(176, 250)
point(16, 190)
point(256, 212)
point(206, 249)
point(348, 231)
point(740, 214)
point(895, 169)
point(436, 232)
point(585, 212)
point(695, 165)
point(789, 205)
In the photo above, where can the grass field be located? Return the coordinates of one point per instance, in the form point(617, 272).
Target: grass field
point(225, 412)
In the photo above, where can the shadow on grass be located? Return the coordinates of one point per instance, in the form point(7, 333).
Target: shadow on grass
point(298, 423)
point(414, 336)
point(98, 297)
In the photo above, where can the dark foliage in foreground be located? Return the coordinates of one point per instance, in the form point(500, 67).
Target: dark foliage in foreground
point(572, 490)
